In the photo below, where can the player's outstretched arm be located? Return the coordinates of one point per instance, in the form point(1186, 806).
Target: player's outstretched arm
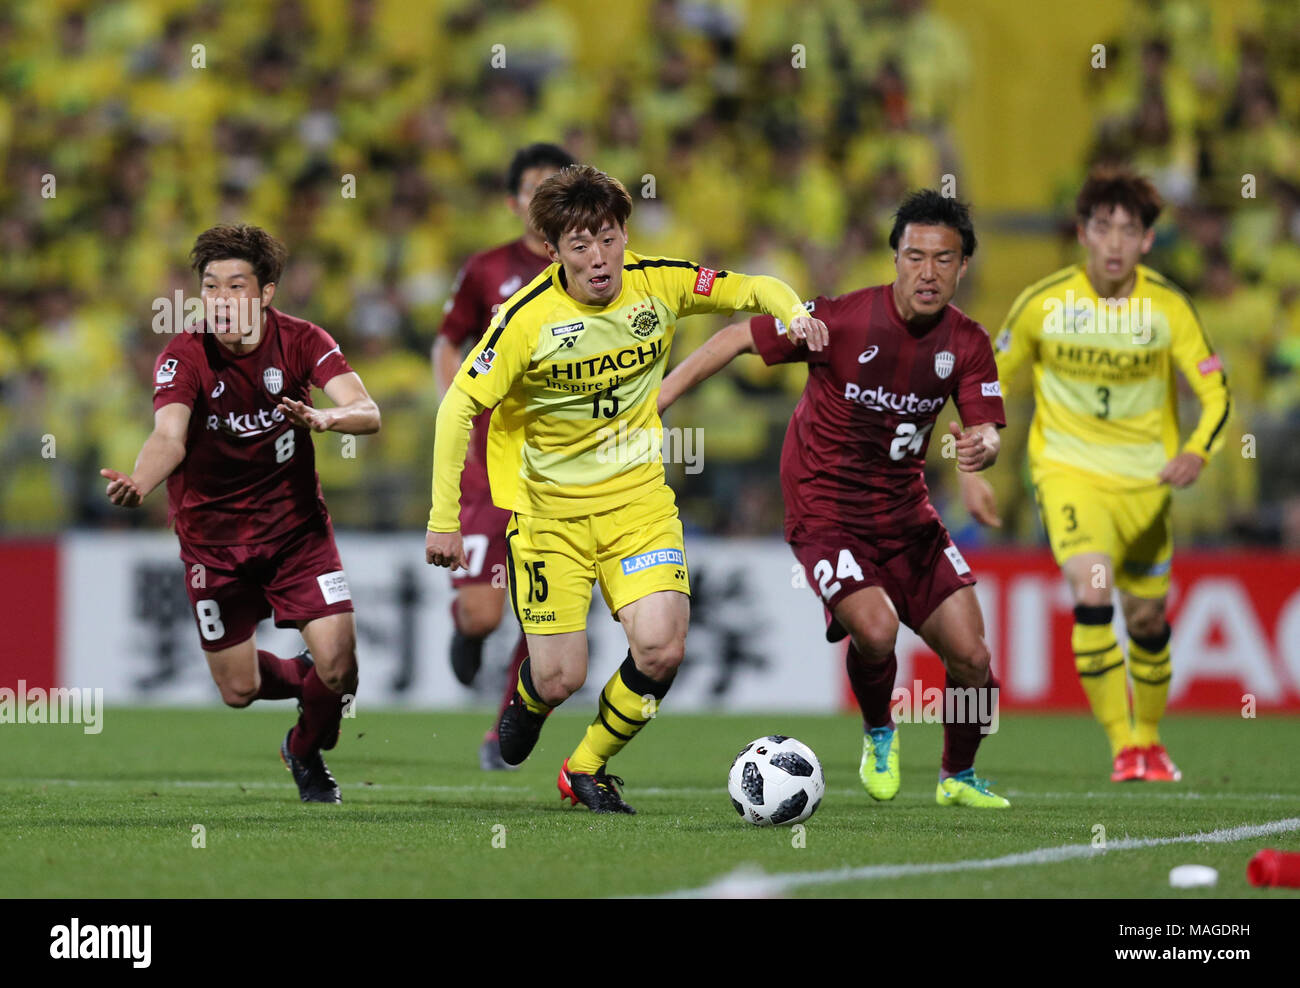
point(442, 542)
point(354, 411)
point(717, 351)
point(977, 449)
point(161, 453)
point(447, 359)
point(977, 494)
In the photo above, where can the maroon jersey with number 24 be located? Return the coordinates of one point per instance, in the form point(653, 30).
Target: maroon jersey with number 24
point(854, 454)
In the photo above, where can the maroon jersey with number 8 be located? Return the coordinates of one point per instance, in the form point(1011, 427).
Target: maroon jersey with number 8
point(854, 454)
point(249, 474)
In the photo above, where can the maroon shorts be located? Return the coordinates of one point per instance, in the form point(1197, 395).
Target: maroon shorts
point(233, 587)
point(483, 529)
point(918, 570)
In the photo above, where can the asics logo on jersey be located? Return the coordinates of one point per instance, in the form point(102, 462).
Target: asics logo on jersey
point(510, 286)
point(247, 424)
point(880, 400)
point(867, 354)
point(221, 386)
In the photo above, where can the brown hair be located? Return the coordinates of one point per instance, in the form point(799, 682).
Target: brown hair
point(241, 243)
point(578, 198)
point(1109, 186)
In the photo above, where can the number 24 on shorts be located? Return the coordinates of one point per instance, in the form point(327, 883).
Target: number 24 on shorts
point(845, 566)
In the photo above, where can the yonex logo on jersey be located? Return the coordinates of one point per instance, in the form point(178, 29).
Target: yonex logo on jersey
point(704, 281)
point(483, 362)
point(993, 390)
point(655, 557)
point(880, 400)
point(167, 371)
point(273, 378)
point(868, 354)
point(943, 363)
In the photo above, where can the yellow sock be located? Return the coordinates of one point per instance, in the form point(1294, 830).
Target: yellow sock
point(527, 691)
point(1100, 664)
point(1150, 668)
point(627, 703)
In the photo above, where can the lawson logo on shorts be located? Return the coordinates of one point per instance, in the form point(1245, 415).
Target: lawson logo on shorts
point(655, 557)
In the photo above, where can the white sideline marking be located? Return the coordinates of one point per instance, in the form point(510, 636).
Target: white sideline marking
point(1130, 793)
point(752, 883)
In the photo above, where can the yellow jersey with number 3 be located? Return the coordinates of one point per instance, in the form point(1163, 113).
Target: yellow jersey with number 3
point(1105, 396)
point(576, 428)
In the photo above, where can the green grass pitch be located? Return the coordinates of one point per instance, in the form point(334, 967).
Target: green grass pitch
point(113, 814)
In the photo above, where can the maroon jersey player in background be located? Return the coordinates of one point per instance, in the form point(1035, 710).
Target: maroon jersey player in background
point(857, 511)
point(232, 438)
point(486, 281)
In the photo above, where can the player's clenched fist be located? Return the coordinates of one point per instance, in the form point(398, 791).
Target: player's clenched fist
point(812, 331)
point(121, 489)
point(973, 453)
point(445, 549)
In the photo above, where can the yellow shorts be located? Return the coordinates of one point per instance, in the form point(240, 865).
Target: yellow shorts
point(1132, 528)
point(633, 551)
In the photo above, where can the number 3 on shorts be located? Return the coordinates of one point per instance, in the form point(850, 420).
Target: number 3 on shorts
point(210, 626)
point(845, 566)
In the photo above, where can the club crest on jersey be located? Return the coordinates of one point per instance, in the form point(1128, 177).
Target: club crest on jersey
point(273, 378)
point(167, 371)
point(943, 363)
point(644, 319)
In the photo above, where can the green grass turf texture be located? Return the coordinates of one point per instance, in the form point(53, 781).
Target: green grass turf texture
point(418, 816)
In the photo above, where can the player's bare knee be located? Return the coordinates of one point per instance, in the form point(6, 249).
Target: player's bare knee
point(660, 662)
point(475, 620)
point(237, 695)
point(970, 666)
point(557, 687)
point(339, 677)
point(1146, 624)
point(875, 636)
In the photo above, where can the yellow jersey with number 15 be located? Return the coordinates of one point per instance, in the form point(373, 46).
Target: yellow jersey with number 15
point(1105, 397)
point(576, 428)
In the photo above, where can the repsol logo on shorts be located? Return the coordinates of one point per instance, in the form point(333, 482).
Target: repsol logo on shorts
point(532, 615)
point(880, 400)
point(655, 557)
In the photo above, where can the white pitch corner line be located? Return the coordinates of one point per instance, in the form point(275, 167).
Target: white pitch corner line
point(753, 883)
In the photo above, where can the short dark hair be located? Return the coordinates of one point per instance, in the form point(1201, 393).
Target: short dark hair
point(240, 242)
point(1109, 186)
point(578, 198)
point(929, 208)
point(535, 156)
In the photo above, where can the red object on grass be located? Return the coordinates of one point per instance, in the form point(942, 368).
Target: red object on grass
point(1272, 867)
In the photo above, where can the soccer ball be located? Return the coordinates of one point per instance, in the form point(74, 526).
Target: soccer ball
point(776, 780)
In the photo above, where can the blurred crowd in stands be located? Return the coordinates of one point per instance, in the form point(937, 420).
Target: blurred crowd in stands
point(372, 136)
